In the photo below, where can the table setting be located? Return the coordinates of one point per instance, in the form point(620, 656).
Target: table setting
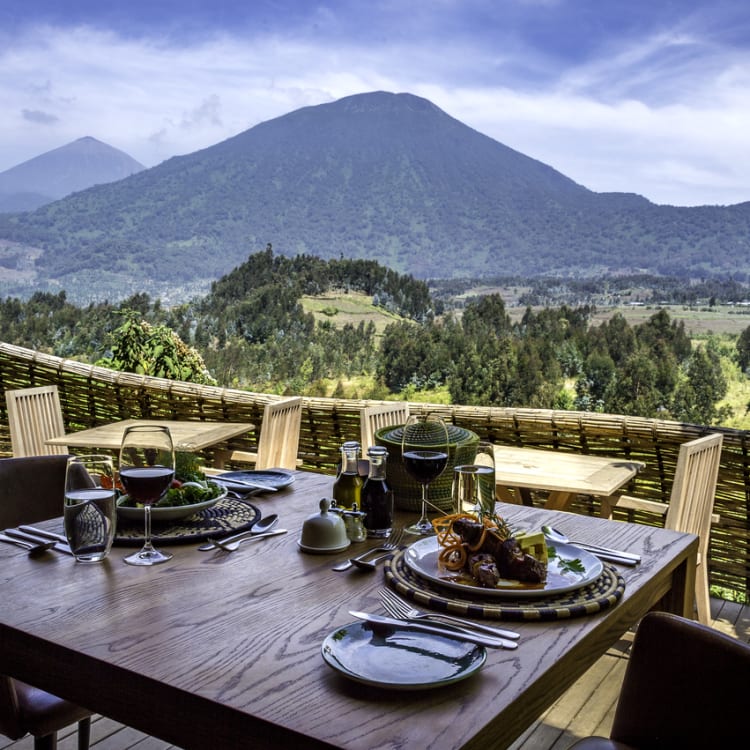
point(283, 623)
point(279, 626)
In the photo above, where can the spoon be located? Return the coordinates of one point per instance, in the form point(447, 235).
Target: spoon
point(263, 526)
point(368, 565)
point(34, 549)
point(557, 536)
point(232, 546)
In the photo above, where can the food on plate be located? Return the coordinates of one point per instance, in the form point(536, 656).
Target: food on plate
point(487, 551)
point(188, 487)
point(188, 493)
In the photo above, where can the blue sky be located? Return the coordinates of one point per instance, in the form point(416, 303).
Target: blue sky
point(651, 97)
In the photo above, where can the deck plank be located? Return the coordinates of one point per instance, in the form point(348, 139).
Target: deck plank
point(587, 708)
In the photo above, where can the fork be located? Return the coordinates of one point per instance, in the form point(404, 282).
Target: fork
point(392, 542)
point(397, 607)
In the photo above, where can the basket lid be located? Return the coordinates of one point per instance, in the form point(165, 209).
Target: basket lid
point(431, 434)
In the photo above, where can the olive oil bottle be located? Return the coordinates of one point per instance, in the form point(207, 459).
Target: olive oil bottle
point(347, 488)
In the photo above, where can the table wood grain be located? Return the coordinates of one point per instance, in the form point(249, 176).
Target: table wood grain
point(563, 475)
point(223, 650)
point(186, 436)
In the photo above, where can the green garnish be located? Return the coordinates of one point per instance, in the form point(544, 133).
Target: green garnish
point(573, 565)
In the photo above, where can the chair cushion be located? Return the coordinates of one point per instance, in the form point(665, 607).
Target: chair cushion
point(41, 713)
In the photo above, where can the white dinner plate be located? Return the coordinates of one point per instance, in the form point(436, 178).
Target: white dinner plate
point(422, 558)
point(397, 659)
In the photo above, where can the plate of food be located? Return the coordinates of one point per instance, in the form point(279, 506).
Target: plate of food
point(484, 557)
point(400, 659)
point(182, 500)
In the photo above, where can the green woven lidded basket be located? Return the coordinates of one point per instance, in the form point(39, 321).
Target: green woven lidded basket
point(407, 494)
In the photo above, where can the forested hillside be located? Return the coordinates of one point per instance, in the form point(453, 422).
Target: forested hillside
point(251, 331)
point(381, 176)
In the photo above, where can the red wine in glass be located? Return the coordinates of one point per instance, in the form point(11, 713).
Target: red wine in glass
point(424, 466)
point(146, 471)
point(146, 484)
point(424, 455)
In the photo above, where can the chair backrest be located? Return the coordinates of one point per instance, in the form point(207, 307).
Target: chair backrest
point(685, 686)
point(278, 443)
point(31, 489)
point(373, 418)
point(34, 415)
point(693, 491)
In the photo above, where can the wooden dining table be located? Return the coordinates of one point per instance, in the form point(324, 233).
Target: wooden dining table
point(564, 475)
point(187, 436)
point(217, 649)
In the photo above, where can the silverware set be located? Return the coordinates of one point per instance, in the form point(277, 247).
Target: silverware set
point(391, 543)
point(397, 607)
point(603, 553)
point(37, 541)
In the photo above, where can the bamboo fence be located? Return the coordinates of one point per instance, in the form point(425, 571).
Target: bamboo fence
point(93, 395)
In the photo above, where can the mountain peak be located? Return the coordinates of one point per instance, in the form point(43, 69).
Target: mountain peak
point(67, 169)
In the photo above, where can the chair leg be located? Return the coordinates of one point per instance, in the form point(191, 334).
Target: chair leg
point(702, 602)
point(48, 742)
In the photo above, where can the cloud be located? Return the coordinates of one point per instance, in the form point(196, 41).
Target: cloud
point(35, 115)
point(662, 113)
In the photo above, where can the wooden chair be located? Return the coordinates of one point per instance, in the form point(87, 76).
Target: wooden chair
point(373, 418)
point(34, 415)
point(685, 686)
point(278, 443)
point(691, 504)
point(31, 490)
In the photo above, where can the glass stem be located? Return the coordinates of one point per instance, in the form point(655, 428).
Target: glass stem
point(147, 533)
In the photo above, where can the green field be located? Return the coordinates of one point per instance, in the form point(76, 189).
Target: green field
point(727, 321)
point(348, 307)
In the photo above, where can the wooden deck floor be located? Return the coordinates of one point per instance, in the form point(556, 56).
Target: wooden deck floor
point(587, 708)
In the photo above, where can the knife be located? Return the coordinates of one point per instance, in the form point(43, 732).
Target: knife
point(43, 533)
point(595, 549)
point(61, 544)
point(243, 483)
point(609, 557)
point(460, 634)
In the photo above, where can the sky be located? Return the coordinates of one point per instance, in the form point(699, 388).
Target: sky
point(639, 96)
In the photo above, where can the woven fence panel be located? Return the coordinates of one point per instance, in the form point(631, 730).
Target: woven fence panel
point(93, 395)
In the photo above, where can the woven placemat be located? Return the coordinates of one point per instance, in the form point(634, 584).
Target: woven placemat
point(228, 515)
point(599, 595)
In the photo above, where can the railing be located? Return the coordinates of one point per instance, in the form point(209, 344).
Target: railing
point(93, 395)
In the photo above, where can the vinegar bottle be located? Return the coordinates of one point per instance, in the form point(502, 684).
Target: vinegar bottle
point(377, 497)
point(347, 488)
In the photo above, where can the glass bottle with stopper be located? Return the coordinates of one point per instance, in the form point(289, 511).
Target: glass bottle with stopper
point(377, 497)
point(347, 488)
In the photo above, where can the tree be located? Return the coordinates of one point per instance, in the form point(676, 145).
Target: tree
point(633, 389)
point(743, 351)
point(138, 346)
point(701, 387)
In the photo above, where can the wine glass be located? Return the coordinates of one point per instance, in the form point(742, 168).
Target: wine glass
point(424, 451)
point(146, 472)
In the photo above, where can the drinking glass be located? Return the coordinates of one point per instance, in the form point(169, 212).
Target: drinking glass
point(146, 472)
point(467, 488)
point(424, 451)
point(89, 512)
point(485, 457)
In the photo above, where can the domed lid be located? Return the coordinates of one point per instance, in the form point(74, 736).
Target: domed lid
point(430, 434)
point(324, 530)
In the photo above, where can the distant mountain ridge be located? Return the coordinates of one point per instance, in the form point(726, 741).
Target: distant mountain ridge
point(389, 177)
point(50, 176)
